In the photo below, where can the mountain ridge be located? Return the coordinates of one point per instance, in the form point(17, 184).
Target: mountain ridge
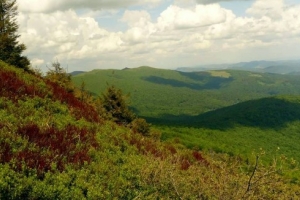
point(263, 66)
point(188, 93)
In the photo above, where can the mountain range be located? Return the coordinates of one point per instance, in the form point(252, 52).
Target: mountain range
point(278, 67)
point(155, 92)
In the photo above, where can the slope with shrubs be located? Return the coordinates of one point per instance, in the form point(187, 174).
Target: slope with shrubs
point(58, 145)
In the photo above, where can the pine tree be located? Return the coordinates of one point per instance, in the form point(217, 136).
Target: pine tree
point(10, 49)
point(116, 107)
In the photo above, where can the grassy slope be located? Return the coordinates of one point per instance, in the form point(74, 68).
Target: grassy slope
point(156, 92)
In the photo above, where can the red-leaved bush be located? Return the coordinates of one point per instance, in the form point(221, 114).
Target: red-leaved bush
point(80, 109)
point(12, 87)
point(67, 146)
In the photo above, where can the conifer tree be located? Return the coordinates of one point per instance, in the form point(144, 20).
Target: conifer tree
point(10, 48)
point(115, 105)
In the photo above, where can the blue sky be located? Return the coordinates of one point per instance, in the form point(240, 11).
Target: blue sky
point(88, 34)
point(238, 7)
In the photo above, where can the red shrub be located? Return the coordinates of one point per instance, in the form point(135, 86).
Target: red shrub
point(171, 149)
point(198, 156)
point(185, 164)
point(5, 152)
point(79, 108)
point(70, 145)
point(14, 88)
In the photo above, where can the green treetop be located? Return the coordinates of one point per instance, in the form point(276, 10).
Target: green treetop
point(116, 106)
point(10, 49)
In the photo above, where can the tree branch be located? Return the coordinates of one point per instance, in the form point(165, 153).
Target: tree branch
point(251, 177)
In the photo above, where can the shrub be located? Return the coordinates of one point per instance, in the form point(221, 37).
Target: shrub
point(140, 125)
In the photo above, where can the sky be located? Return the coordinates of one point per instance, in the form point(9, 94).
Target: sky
point(115, 34)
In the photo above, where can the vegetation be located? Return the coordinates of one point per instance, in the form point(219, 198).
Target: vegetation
point(115, 106)
point(57, 141)
point(239, 129)
point(158, 92)
point(10, 49)
point(55, 145)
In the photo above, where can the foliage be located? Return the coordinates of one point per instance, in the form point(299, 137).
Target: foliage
point(10, 49)
point(159, 94)
point(54, 146)
point(140, 125)
point(268, 123)
point(116, 106)
point(176, 103)
point(59, 75)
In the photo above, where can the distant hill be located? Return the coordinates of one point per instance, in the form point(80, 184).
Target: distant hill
point(76, 73)
point(156, 92)
point(270, 124)
point(278, 67)
point(272, 112)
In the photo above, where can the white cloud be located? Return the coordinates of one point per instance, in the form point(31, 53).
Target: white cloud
point(35, 62)
point(214, 1)
point(270, 8)
point(50, 5)
point(138, 18)
point(175, 17)
point(178, 36)
point(65, 36)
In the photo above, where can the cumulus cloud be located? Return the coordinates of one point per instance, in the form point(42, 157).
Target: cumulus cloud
point(50, 5)
point(65, 36)
point(214, 1)
point(270, 8)
point(178, 36)
point(175, 17)
point(135, 18)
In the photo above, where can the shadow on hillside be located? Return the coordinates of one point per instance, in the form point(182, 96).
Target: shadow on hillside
point(205, 82)
point(264, 113)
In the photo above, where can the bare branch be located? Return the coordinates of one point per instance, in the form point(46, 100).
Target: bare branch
point(251, 177)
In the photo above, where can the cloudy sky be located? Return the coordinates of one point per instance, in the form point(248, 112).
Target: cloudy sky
point(90, 34)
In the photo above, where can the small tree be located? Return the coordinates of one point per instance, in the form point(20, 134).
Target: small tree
point(116, 107)
point(10, 49)
point(59, 75)
point(141, 126)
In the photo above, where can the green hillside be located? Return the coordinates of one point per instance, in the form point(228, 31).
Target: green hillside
point(55, 145)
point(270, 124)
point(158, 92)
point(177, 103)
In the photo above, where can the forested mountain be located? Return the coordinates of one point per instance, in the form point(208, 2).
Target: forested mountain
point(270, 124)
point(155, 92)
